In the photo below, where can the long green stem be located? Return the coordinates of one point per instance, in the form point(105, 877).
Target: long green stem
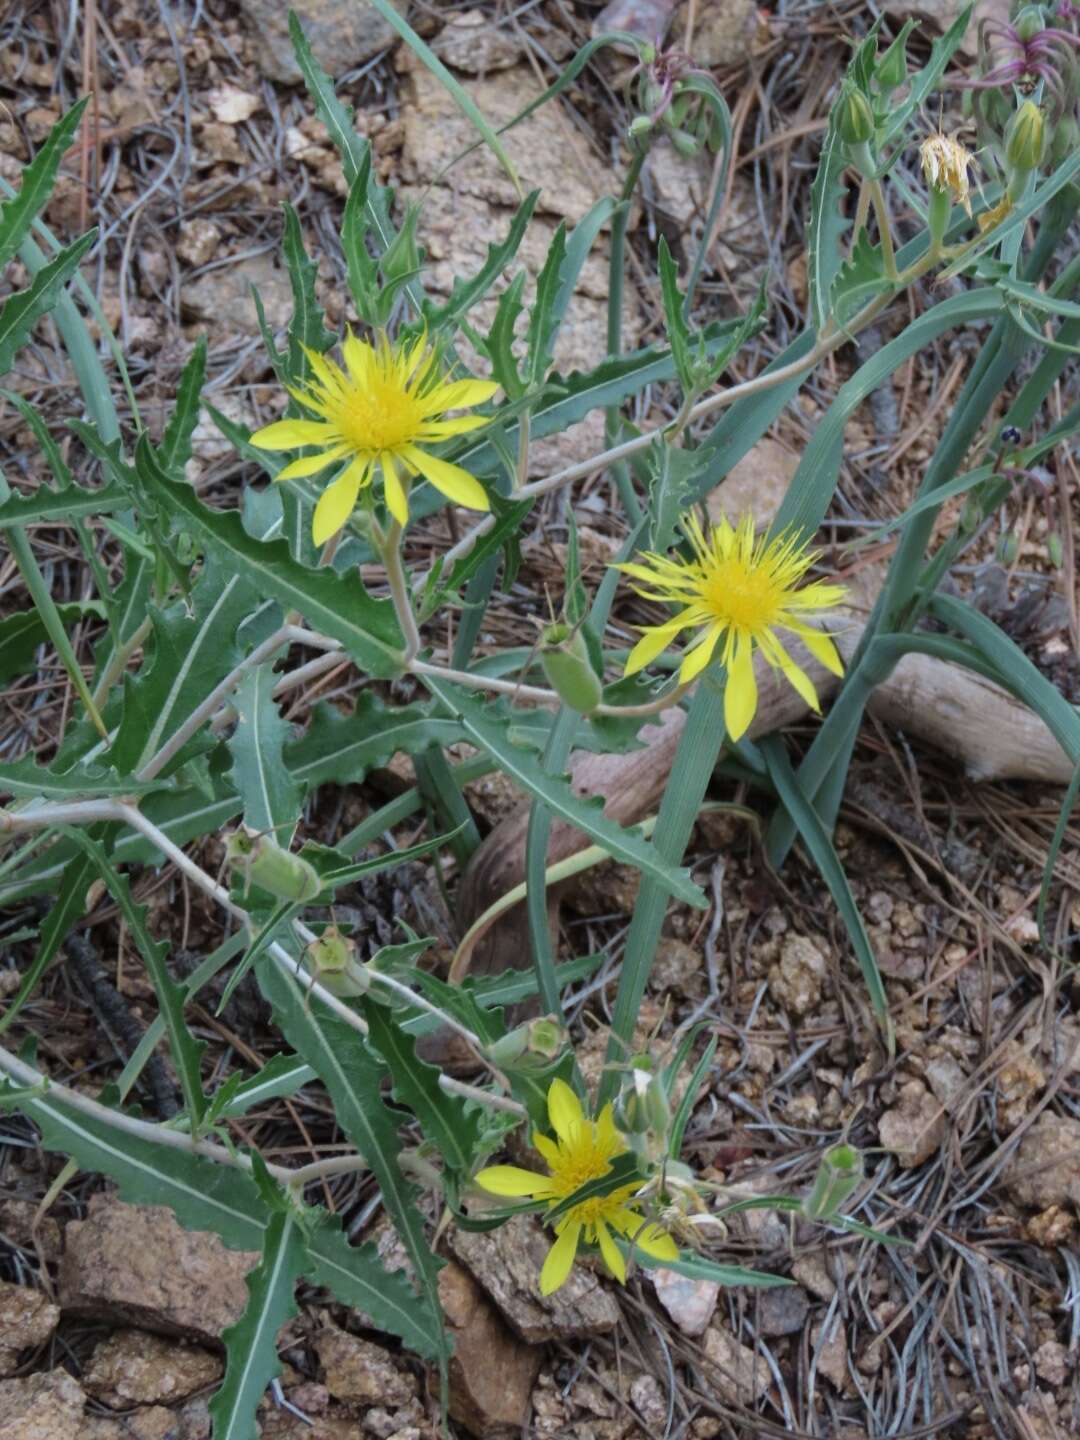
point(699, 748)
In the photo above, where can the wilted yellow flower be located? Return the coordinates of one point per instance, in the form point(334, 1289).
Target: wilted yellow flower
point(581, 1151)
point(378, 411)
point(739, 590)
point(945, 165)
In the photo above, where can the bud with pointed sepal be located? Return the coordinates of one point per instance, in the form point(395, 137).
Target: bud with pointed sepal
point(839, 1174)
point(264, 862)
point(564, 655)
point(331, 960)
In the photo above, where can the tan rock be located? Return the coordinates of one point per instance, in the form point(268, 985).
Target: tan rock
point(546, 151)
point(758, 483)
point(154, 1422)
point(223, 297)
point(690, 1303)
point(1051, 1227)
point(491, 1372)
point(724, 33)
point(914, 1128)
point(27, 1319)
point(46, 1406)
point(816, 1271)
point(17, 1226)
point(365, 1374)
point(135, 1265)
point(796, 980)
point(133, 1367)
point(1045, 1168)
point(507, 1263)
point(830, 1347)
point(471, 43)
point(198, 242)
point(1019, 1080)
point(341, 33)
point(738, 1374)
point(676, 966)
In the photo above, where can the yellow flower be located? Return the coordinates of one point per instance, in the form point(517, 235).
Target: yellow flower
point(582, 1151)
point(741, 591)
point(945, 167)
point(379, 411)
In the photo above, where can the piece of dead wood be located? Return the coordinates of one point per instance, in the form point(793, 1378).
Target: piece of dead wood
point(993, 735)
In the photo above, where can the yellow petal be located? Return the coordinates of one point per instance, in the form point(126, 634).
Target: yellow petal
point(511, 1180)
point(454, 482)
point(432, 430)
point(397, 501)
point(359, 358)
point(289, 434)
point(654, 641)
point(613, 1257)
point(821, 647)
point(462, 394)
point(740, 693)
point(336, 503)
point(695, 660)
point(559, 1260)
point(547, 1148)
point(309, 464)
point(564, 1110)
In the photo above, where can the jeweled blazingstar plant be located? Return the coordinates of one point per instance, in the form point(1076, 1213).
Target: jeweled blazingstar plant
point(582, 1150)
point(378, 413)
point(737, 590)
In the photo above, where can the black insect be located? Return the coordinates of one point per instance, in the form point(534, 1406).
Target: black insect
point(1011, 435)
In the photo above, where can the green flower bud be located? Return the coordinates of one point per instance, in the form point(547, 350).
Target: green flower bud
point(855, 119)
point(1055, 550)
point(639, 130)
point(261, 858)
point(1008, 548)
point(891, 70)
point(533, 1045)
point(403, 257)
point(642, 1107)
point(1025, 138)
point(1028, 21)
point(970, 516)
point(685, 143)
point(839, 1174)
point(565, 658)
point(331, 959)
point(1065, 141)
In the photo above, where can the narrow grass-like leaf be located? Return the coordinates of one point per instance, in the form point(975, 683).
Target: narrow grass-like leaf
point(202, 1195)
point(696, 1267)
point(1064, 816)
point(307, 328)
point(175, 449)
point(251, 1358)
point(825, 858)
point(56, 507)
point(443, 1118)
point(353, 1078)
point(543, 319)
point(23, 631)
point(695, 758)
point(678, 331)
point(36, 183)
point(69, 904)
point(357, 1277)
point(270, 793)
point(457, 92)
point(21, 311)
point(681, 1118)
point(465, 293)
point(487, 727)
point(824, 237)
point(337, 605)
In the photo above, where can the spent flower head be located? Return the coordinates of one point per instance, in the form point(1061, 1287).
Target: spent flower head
point(737, 592)
point(379, 412)
point(945, 165)
point(582, 1150)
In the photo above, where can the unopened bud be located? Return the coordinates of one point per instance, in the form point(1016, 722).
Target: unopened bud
point(565, 658)
point(839, 1174)
point(1055, 550)
point(642, 1107)
point(686, 144)
point(533, 1045)
point(331, 959)
point(854, 118)
point(278, 871)
point(1025, 139)
point(1008, 548)
point(891, 70)
point(1028, 21)
point(640, 128)
point(402, 259)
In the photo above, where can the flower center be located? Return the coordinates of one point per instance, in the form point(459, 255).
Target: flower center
point(382, 417)
point(746, 597)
